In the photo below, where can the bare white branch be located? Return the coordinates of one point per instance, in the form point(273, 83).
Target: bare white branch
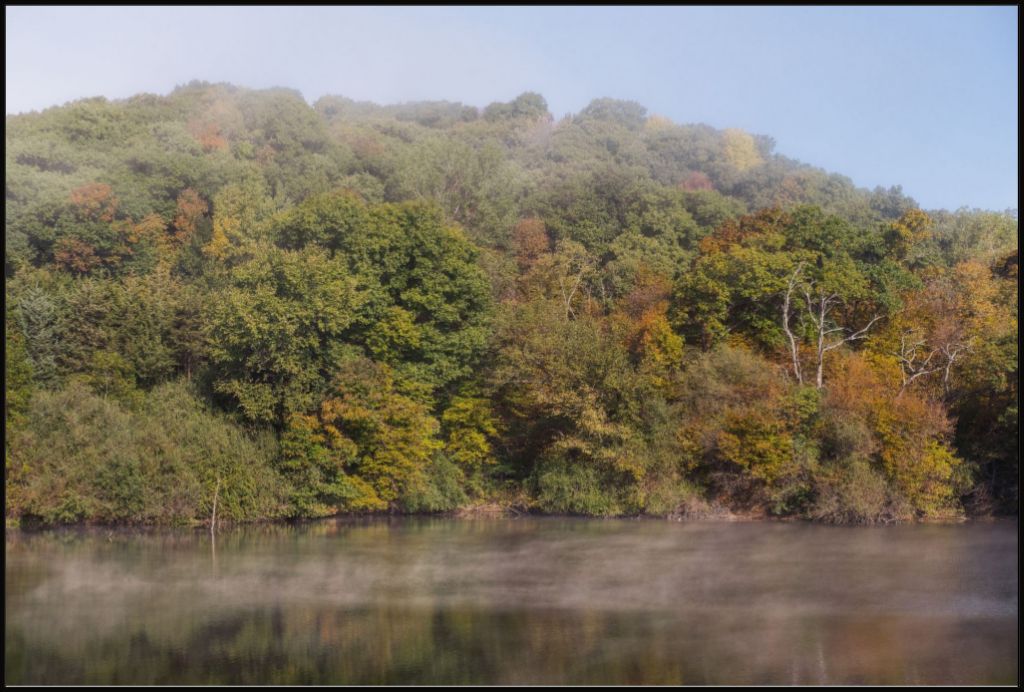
point(793, 349)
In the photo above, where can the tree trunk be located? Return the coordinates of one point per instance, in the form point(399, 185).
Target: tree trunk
point(213, 516)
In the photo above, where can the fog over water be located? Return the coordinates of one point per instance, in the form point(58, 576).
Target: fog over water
point(524, 600)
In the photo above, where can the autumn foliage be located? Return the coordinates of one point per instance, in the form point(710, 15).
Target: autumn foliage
point(346, 307)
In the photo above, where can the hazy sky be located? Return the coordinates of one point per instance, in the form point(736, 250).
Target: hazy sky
point(920, 97)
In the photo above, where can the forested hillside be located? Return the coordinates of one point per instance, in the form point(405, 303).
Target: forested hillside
point(300, 311)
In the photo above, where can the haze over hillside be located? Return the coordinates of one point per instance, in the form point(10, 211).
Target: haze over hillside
point(923, 97)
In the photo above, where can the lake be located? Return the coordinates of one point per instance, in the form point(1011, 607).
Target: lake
point(507, 601)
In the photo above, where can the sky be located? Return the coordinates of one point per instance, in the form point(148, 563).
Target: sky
point(922, 97)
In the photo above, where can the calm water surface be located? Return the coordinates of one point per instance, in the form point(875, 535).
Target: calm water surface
point(515, 601)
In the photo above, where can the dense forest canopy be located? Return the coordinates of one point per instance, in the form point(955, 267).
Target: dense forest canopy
point(226, 295)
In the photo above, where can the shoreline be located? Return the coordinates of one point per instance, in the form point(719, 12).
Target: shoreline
point(462, 515)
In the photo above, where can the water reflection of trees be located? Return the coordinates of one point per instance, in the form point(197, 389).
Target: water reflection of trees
point(398, 646)
point(550, 601)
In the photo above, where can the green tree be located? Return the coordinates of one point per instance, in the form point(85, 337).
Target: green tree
point(276, 331)
point(426, 306)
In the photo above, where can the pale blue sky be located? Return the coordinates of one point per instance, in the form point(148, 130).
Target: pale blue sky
point(920, 97)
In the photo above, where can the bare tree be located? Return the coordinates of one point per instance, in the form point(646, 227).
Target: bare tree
point(913, 364)
point(574, 266)
point(793, 346)
point(952, 350)
point(830, 335)
point(569, 284)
